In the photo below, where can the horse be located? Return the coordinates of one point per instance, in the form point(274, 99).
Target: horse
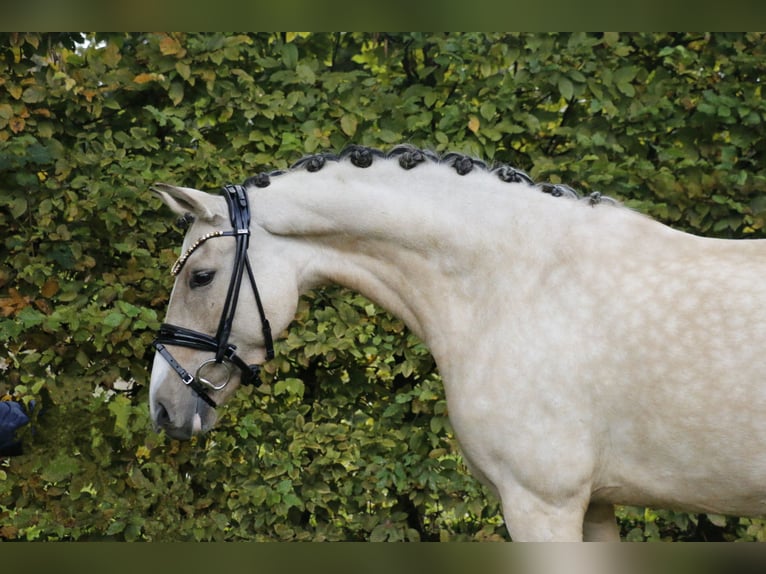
point(590, 355)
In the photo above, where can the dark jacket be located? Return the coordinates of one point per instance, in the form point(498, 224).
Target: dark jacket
point(12, 416)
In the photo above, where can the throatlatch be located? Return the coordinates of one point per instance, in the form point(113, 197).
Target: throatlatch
point(225, 353)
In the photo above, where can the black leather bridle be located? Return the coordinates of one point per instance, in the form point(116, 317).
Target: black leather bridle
point(225, 353)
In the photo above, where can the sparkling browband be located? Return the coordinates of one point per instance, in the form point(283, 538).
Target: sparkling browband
point(178, 265)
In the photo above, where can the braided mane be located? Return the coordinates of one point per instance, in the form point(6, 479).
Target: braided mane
point(410, 157)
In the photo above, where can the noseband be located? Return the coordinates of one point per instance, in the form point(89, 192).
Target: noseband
point(225, 353)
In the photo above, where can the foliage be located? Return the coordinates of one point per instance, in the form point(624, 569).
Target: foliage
point(347, 437)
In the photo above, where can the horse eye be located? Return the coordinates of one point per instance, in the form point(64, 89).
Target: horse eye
point(201, 278)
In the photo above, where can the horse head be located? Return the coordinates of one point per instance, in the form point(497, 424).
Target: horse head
point(203, 353)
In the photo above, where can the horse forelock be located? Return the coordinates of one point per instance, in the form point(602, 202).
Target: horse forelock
point(409, 156)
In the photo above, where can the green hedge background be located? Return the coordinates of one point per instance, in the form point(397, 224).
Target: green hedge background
point(347, 436)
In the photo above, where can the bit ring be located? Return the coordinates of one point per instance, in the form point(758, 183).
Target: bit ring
point(202, 379)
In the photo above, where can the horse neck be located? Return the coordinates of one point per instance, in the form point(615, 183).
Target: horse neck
point(420, 243)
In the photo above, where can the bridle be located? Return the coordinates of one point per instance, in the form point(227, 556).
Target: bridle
point(225, 353)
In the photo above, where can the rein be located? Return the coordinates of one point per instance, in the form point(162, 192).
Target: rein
point(225, 353)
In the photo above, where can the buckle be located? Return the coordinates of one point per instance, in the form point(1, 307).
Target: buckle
point(230, 352)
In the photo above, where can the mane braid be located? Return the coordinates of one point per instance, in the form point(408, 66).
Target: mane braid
point(410, 156)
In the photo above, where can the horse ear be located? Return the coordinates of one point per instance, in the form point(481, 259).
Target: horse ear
point(183, 200)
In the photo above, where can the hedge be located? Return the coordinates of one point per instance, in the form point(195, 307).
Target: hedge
point(347, 436)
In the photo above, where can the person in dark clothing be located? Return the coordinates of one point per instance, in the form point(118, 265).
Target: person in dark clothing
point(12, 416)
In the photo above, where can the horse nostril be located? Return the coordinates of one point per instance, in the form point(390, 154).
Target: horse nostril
point(161, 417)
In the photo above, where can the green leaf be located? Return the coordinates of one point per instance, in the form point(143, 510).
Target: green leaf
point(62, 466)
point(627, 89)
point(305, 73)
point(290, 56)
point(114, 319)
point(488, 110)
point(30, 317)
point(176, 93)
point(379, 533)
point(115, 527)
point(121, 408)
point(18, 206)
point(623, 78)
point(34, 94)
point(348, 123)
point(625, 74)
point(430, 98)
point(566, 89)
point(184, 70)
point(291, 386)
point(611, 38)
